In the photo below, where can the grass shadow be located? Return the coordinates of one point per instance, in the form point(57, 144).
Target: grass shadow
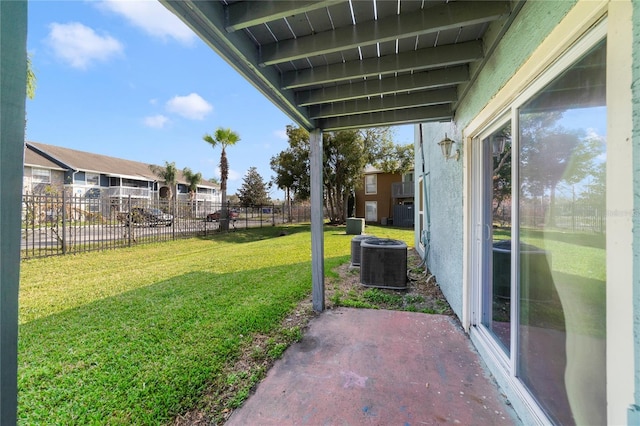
point(247, 235)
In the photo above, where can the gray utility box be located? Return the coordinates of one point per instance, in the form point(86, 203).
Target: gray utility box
point(355, 226)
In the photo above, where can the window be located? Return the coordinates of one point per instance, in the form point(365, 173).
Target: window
point(371, 211)
point(371, 184)
point(40, 176)
point(93, 179)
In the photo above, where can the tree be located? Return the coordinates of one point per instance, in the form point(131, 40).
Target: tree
point(31, 79)
point(344, 160)
point(550, 154)
point(168, 174)
point(392, 158)
point(253, 191)
point(501, 177)
point(345, 155)
point(224, 138)
point(193, 180)
point(292, 167)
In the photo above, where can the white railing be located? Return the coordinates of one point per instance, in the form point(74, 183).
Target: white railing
point(123, 191)
point(199, 197)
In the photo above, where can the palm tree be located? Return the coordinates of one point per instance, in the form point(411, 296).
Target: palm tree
point(31, 79)
point(193, 180)
point(169, 174)
point(224, 138)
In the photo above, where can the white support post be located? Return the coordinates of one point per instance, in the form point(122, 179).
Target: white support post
point(317, 221)
point(13, 67)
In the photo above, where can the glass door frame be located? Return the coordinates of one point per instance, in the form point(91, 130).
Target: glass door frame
point(481, 259)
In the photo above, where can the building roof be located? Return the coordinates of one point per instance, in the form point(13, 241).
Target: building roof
point(90, 162)
point(33, 159)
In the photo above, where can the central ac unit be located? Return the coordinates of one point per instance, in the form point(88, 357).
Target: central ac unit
point(355, 248)
point(383, 263)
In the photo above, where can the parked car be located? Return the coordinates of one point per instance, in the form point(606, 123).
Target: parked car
point(215, 216)
point(150, 216)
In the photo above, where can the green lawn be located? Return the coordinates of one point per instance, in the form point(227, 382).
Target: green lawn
point(136, 335)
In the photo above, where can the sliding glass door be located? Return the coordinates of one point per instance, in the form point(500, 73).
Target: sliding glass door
point(539, 238)
point(493, 153)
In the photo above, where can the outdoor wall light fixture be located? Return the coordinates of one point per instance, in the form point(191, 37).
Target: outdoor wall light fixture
point(497, 145)
point(446, 144)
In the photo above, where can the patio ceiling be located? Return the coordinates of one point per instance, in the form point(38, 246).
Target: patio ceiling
point(340, 64)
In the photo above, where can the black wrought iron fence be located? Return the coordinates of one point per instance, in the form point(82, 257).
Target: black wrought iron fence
point(62, 224)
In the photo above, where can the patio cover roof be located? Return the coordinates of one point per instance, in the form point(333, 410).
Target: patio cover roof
point(349, 64)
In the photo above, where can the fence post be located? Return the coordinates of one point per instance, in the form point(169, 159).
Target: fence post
point(129, 222)
point(64, 223)
point(176, 206)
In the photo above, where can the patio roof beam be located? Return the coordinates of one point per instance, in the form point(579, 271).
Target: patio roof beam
point(386, 103)
point(417, 60)
point(429, 20)
point(369, 88)
point(388, 118)
point(248, 14)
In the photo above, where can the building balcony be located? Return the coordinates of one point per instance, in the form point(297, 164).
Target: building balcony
point(402, 189)
point(123, 191)
point(199, 197)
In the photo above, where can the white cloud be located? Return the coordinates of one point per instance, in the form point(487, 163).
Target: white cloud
point(80, 46)
point(281, 134)
point(156, 121)
point(191, 106)
point(152, 17)
point(233, 175)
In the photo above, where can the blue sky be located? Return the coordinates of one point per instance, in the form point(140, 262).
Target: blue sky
point(129, 80)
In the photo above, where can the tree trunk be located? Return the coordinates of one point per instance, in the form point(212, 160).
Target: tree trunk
point(224, 173)
point(289, 204)
point(345, 206)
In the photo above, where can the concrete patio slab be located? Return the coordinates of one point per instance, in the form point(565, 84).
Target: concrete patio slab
point(376, 367)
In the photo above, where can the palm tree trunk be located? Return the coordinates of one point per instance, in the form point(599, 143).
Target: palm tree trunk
point(224, 173)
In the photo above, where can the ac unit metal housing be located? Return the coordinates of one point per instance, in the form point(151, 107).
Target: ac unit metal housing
point(355, 248)
point(383, 263)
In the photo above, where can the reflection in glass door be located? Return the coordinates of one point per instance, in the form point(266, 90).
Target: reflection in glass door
point(496, 229)
point(561, 334)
